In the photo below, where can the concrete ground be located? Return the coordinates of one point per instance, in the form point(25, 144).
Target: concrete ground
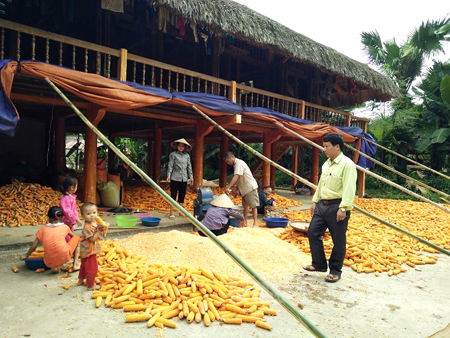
point(412, 304)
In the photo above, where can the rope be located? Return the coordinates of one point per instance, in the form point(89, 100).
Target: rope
point(193, 220)
point(408, 159)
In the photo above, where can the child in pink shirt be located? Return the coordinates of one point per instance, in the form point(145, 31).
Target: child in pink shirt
point(68, 203)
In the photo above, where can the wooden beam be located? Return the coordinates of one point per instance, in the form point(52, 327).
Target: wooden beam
point(150, 158)
point(122, 65)
point(60, 143)
point(90, 156)
point(315, 168)
point(158, 115)
point(157, 154)
point(266, 165)
point(339, 89)
point(223, 167)
point(224, 121)
point(273, 170)
point(46, 100)
point(294, 165)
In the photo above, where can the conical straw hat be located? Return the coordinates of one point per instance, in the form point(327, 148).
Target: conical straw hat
point(223, 201)
point(181, 140)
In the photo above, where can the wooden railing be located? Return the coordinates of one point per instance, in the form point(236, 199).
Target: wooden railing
point(158, 74)
point(21, 42)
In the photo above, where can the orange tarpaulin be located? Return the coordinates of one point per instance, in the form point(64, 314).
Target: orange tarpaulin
point(91, 87)
point(108, 93)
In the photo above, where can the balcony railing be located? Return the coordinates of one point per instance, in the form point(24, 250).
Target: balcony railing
point(21, 42)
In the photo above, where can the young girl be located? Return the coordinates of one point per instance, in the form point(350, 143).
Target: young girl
point(56, 250)
point(68, 204)
point(90, 246)
point(179, 171)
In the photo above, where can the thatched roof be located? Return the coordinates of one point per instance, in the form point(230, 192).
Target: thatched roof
point(224, 17)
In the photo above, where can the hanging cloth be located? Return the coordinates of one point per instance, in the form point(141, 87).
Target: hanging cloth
point(181, 25)
point(164, 17)
point(194, 30)
point(113, 5)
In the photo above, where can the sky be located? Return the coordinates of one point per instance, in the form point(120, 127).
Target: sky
point(339, 24)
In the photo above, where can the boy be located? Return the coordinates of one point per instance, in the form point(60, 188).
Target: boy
point(89, 246)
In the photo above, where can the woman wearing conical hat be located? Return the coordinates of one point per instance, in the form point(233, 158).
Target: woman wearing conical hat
point(217, 218)
point(179, 171)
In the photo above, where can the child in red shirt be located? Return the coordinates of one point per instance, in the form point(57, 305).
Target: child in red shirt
point(89, 246)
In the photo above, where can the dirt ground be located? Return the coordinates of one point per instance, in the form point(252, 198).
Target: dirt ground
point(412, 304)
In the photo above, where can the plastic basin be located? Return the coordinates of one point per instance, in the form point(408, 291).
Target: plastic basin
point(234, 222)
point(127, 221)
point(35, 263)
point(150, 221)
point(273, 222)
point(141, 215)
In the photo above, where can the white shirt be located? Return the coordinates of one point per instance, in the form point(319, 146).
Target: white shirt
point(246, 181)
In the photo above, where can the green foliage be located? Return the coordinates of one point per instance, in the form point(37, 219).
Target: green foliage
point(403, 63)
point(377, 189)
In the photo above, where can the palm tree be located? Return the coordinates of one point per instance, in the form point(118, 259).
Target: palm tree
point(403, 63)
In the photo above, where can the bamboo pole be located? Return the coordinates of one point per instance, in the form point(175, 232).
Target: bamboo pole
point(408, 159)
point(398, 172)
point(288, 306)
point(378, 177)
point(311, 185)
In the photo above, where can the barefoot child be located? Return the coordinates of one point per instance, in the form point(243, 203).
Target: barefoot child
point(56, 250)
point(68, 203)
point(89, 246)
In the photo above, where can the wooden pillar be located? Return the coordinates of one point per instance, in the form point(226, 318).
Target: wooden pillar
point(232, 92)
point(201, 130)
point(223, 167)
point(315, 168)
point(273, 170)
point(157, 154)
point(266, 166)
point(361, 174)
point(111, 154)
point(95, 115)
point(150, 159)
point(122, 65)
point(294, 167)
point(60, 145)
point(301, 112)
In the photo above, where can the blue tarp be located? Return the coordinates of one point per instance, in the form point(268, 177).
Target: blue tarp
point(8, 116)
point(366, 147)
point(151, 90)
point(209, 101)
point(9, 119)
point(276, 114)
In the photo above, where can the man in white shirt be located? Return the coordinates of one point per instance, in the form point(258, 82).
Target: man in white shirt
point(247, 185)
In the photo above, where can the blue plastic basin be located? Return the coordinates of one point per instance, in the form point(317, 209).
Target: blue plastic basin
point(273, 222)
point(150, 221)
point(36, 263)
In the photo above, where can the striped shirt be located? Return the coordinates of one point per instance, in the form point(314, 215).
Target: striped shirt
point(87, 247)
point(179, 168)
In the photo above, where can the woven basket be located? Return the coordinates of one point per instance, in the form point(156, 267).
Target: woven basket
point(274, 212)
